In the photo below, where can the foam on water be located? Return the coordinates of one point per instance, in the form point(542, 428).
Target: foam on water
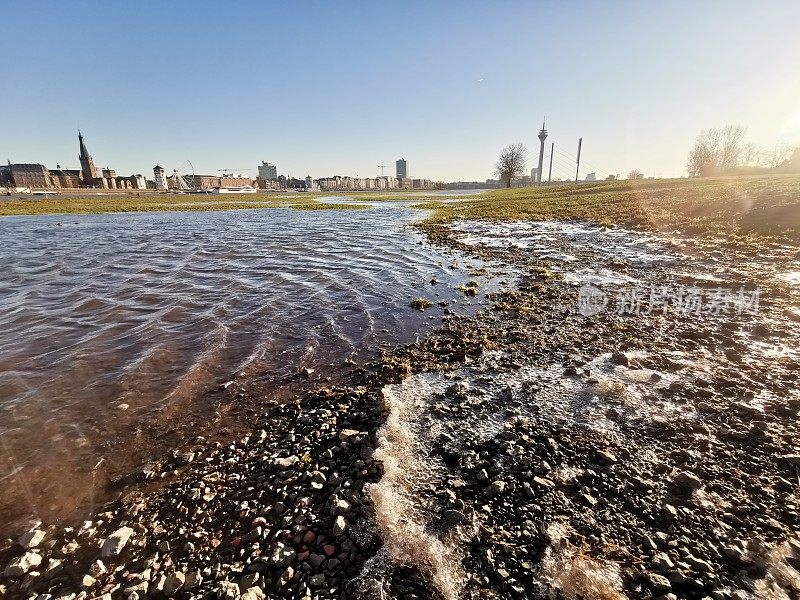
point(404, 452)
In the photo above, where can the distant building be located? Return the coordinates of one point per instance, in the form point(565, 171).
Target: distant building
point(309, 183)
point(160, 177)
point(401, 169)
point(5, 175)
point(67, 178)
point(591, 177)
point(422, 184)
point(206, 182)
point(138, 182)
point(267, 171)
point(473, 185)
point(30, 176)
point(37, 176)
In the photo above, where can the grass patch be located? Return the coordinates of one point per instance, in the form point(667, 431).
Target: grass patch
point(739, 207)
point(160, 203)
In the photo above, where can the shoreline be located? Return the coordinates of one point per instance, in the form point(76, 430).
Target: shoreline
point(697, 502)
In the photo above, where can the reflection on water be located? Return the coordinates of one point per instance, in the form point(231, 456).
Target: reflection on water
point(106, 318)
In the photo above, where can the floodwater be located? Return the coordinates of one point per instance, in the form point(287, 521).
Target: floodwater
point(109, 321)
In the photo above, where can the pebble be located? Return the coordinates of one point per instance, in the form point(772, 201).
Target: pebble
point(116, 542)
point(339, 525)
point(31, 539)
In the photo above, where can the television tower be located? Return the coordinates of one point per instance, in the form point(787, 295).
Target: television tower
point(542, 138)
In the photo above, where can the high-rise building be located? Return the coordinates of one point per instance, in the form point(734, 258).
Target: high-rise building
point(401, 168)
point(267, 172)
point(89, 171)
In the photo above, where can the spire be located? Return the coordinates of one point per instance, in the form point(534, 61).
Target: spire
point(84, 152)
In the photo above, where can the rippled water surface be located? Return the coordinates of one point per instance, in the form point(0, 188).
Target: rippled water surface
point(107, 319)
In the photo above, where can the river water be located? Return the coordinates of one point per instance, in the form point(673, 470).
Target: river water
point(106, 321)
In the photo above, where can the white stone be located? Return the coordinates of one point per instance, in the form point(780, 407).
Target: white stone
point(116, 541)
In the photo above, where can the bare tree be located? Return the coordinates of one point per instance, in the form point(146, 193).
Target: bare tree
point(511, 163)
point(752, 156)
point(716, 150)
point(779, 155)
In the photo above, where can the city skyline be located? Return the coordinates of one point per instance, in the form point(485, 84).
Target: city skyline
point(637, 83)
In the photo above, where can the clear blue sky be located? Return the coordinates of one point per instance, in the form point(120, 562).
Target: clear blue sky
point(326, 88)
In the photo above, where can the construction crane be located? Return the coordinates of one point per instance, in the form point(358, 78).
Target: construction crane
point(382, 167)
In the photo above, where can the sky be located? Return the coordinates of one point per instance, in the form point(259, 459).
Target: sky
point(324, 88)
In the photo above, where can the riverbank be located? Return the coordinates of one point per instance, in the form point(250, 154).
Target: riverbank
point(610, 445)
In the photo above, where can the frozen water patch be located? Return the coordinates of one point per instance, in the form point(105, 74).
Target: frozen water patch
point(549, 239)
point(599, 277)
point(791, 277)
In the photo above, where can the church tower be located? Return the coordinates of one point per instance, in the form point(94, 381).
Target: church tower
point(89, 171)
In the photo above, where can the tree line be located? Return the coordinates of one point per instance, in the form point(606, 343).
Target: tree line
point(723, 150)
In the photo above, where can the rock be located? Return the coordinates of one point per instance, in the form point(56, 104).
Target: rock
point(698, 564)
point(139, 588)
point(282, 556)
point(687, 481)
point(286, 576)
point(193, 580)
point(648, 543)
point(788, 460)
point(174, 582)
point(316, 580)
point(498, 486)
point(347, 435)
point(87, 582)
point(544, 482)
point(98, 568)
point(339, 525)
point(116, 541)
point(31, 539)
point(316, 559)
point(227, 590)
point(252, 535)
point(620, 358)
point(662, 562)
point(286, 463)
point(253, 593)
point(657, 582)
point(453, 517)
point(607, 456)
point(54, 567)
point(22, 564)
point(318, 480)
